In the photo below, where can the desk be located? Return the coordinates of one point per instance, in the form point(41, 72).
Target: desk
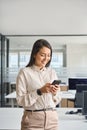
point(68, 94)
point(12, 97)
point(63, 94)
point(10, 119)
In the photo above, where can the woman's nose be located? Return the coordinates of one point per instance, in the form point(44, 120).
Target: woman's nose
point(45, 58)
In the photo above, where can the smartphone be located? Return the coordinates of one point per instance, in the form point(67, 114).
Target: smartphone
point(56, 82)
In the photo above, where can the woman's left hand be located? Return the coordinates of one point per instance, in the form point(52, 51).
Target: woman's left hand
point(54, 89)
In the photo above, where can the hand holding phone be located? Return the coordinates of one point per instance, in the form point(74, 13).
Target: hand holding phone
point(57, 87)
point(56, 82)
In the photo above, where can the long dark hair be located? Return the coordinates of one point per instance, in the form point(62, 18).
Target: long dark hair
point(36, 47)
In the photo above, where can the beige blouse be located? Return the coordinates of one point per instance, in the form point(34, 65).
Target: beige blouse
point(28, 81)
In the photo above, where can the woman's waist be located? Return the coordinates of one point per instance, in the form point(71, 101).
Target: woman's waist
point(39, 110)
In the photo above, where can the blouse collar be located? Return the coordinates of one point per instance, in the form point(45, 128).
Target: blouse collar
point(38, 69)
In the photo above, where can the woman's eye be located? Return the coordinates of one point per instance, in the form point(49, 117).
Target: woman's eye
point(42, 55)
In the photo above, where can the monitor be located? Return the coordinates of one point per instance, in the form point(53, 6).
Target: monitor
point(73, 81)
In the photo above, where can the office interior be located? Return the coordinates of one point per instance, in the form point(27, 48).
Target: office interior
point(63, 24)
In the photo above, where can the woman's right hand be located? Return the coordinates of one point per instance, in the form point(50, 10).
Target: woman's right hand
point(46, 88)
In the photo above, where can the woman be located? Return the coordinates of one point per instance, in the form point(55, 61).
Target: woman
point(35, 91)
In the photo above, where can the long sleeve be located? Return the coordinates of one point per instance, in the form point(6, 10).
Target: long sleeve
point(24, 98)
point(57, 98)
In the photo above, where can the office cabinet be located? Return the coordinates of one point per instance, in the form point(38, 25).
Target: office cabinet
point(70, 103)
point(66, 102)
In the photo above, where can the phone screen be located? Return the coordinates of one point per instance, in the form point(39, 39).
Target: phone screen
point(56, 82)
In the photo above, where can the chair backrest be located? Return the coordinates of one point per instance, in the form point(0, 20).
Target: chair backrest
point(79, 94)
point(84, 105)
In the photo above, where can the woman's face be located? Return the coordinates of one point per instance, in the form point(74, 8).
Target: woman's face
point(42, 57)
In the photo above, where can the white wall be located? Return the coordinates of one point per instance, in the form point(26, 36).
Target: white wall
point(77, 60)
point(77, 55)
point(43, 16)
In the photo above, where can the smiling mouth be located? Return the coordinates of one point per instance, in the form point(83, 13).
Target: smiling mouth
point(43, 62)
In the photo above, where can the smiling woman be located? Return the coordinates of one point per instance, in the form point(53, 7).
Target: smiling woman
point(35, 91)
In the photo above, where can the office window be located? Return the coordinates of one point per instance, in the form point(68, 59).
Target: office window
point(57, 59)
point(13, 59)
point(21, 59)
point(24, 58)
